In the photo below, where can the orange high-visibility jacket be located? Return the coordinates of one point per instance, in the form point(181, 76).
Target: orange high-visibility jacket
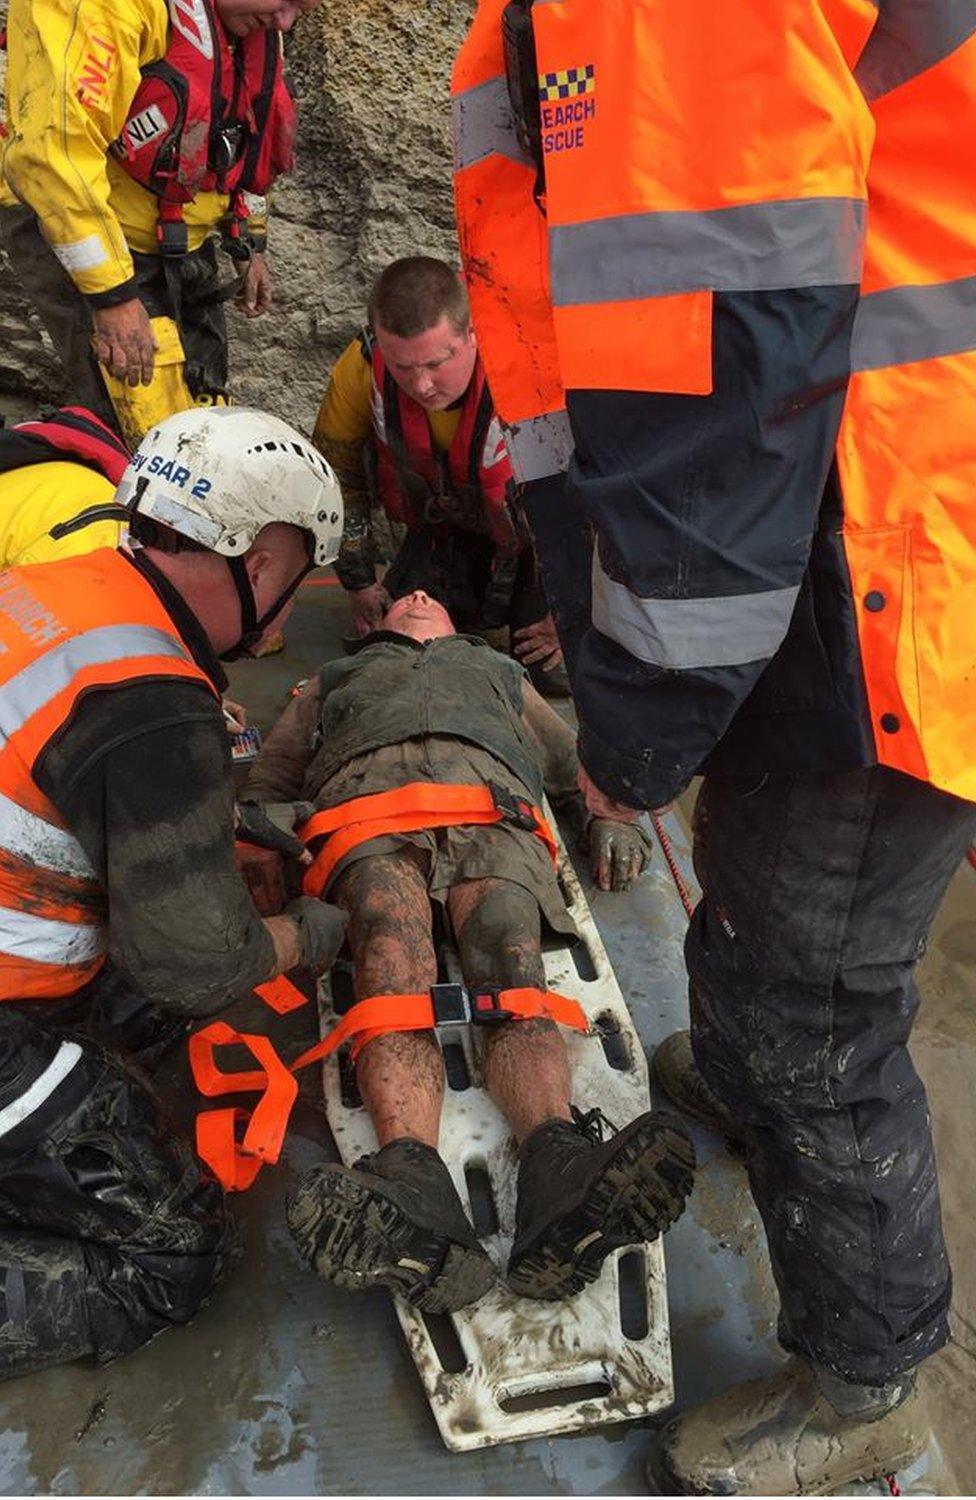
point(65, 628)
point(704, 151)
point(666, 177)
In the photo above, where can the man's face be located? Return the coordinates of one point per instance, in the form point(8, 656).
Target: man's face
point(434, 367)
point(244, 17)
point(418, 616)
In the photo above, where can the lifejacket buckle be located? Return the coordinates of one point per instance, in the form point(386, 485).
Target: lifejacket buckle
point(171, 236)
point(452, 1004)
point(514, 809)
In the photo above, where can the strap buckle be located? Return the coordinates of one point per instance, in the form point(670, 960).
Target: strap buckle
point(487, 1009)
point(514, 809)
point(452, 1004)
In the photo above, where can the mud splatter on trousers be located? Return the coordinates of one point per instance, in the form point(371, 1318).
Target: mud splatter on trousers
point(819, 891)
point(110, 1229)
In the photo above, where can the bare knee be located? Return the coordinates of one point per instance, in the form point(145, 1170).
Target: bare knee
point(497, 925)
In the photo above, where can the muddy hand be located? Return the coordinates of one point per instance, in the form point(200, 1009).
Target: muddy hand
point(367, 607)
point(269, 826)
point(123, 341)
point(538, 643)
point(619, 853)
point(254, 294)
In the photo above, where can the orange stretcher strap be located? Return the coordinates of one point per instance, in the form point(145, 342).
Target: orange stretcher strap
point(408, 809)
point(236, 1164)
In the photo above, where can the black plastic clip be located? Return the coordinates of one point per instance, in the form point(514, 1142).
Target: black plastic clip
point(514, 809)
point(486, 1009)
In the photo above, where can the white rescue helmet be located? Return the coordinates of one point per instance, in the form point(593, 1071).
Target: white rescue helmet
point(218, 474)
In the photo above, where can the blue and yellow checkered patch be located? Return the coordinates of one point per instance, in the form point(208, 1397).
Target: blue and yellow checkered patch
point(567, 83)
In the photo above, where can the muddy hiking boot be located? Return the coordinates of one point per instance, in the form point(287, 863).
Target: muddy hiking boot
point(394, 1220)
point(674, 1070)
point(581, 1197)
point(785, 1436)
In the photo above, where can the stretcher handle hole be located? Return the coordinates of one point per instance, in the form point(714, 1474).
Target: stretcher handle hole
point(447, 1346)
point(561, 1395)
point(632, 1295)
point(348, 1082)
point(456, 1067)
point(613, 1041)
point(484, 1214)
point(583, 961)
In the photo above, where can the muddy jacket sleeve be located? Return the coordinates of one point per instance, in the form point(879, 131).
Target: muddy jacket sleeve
point(142, 778)
point(341, 432)
point(554, 743)
point(704, 509)
point(73, 70)
point(278, 774)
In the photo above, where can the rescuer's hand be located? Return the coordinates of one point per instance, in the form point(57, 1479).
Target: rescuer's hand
point(270, 825)
point(602, 806)
point(538, 643)
point(367, 608)
point(123, 341)
point(321, 930)
point(619, 853)
point(254, 294)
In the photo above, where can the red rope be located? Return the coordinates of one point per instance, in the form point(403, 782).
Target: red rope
point(892, 1484)
point(971, 855)
point(672, 863)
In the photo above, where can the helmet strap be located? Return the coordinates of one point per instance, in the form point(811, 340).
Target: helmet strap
point(252, 628)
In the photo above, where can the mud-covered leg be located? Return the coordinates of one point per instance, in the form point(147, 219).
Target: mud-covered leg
point(400, 1074)
point(526, 1066)
point(579, 1197)
point(395, 1219)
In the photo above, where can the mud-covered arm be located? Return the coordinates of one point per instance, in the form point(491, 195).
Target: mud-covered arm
point(142, 777)
point(278, 773)
point(554, 743)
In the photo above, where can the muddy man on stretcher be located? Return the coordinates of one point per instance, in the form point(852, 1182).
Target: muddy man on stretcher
point(425, 755)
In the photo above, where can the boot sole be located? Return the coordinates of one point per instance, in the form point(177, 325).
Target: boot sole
point(639, 1194)
point(370, 1242)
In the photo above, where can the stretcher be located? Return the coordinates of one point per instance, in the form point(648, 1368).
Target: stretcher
point(509, 1368)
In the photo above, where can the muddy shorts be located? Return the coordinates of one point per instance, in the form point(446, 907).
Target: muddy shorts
point(496, 852)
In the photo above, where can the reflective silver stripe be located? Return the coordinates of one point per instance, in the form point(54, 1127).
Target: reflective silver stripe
point(484, 125)
point(45, 940)
point(910, 36)
point(29, 837)
point(540, 446)
point(687, 633)
point(22, 695)
point(909, 323)
point(750, 248)
point(57, 1070)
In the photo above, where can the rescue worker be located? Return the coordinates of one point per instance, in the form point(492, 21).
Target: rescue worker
point(172, 120)
point(684, 298)
point(407, 422)
point(52, 471)
point(419, 708)
point(116, 829)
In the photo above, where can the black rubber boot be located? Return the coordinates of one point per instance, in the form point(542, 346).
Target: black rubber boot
point(580, 1197)
point(393, 1220)
point(674, 1070)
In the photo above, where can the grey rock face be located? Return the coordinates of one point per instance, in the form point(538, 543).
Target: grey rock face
point(372, 182)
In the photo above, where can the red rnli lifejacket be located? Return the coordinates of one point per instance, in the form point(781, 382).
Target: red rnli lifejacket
point(213, 115)
point(470, 486)
point(72, 433)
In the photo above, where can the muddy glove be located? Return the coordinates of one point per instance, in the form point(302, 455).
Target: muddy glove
point(321, 930)
point(619, 853)
point(270, 824)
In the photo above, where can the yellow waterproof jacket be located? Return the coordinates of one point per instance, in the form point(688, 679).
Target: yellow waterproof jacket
point(37, 497)
point(73, 67)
